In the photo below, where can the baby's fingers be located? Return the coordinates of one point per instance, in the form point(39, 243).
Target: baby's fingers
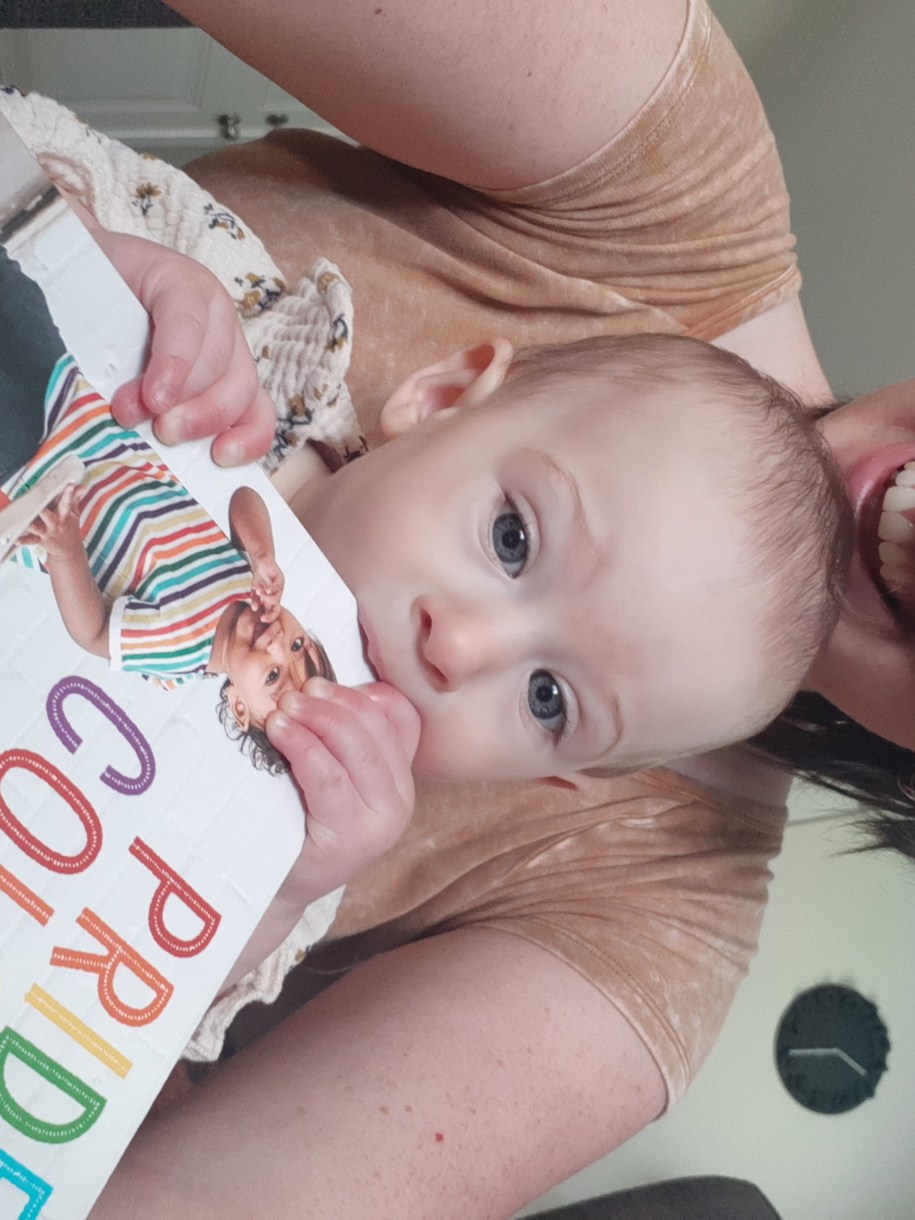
point(250, 436)
point(70, 499)
point(188, 353)
point(51, 517)
point(399, 711)
point(364, 754)
point(233, 409)
point(185, 359)
point(373, 744)
point(127, 404)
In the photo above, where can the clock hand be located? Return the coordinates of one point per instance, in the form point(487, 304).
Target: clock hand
point(823, 1051)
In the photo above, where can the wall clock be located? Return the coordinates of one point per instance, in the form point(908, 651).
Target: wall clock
point(830, 1048)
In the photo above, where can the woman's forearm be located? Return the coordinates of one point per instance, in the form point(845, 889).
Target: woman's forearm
point(459, 1076)
point(492, 93)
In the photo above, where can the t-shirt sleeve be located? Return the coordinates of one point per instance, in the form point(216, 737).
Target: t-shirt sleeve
point(132, 648)
point(115, 631)
point(667, 937)
point(684, 213)
point(649, 886)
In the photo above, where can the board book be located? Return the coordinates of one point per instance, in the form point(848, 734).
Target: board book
point(139, 846)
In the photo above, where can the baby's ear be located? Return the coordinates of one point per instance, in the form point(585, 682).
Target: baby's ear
point(462, 379)
point(238, 708)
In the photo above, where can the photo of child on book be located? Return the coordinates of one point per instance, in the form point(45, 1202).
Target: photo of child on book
point(586, 559)
point(141, 573)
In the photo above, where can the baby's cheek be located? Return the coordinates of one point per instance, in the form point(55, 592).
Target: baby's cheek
point(454, 747)
point(441, 746)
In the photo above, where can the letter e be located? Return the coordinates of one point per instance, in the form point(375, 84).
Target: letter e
point(29, 1183)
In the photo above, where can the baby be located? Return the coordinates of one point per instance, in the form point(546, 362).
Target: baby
point(579, 560)
point(210, 609)
point(587, 559)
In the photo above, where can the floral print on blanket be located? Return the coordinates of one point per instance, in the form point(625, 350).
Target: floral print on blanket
point(300, 335)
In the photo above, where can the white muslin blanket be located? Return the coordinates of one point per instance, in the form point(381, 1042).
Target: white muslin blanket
point(300, 337)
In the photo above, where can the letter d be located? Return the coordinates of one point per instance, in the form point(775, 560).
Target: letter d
point(26, 1123)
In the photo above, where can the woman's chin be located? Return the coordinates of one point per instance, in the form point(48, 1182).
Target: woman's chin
point(869, 674)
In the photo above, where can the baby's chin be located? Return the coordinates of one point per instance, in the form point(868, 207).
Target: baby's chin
point(437, 764)
point(431, 766)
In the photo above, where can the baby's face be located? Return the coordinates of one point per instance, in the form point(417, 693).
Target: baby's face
point(264, 660)
point(554, 589)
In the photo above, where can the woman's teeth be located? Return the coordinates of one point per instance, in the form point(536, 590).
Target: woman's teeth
point(897, 532)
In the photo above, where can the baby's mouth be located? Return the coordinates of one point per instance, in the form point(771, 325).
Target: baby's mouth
point(896, 544)
point(258, 629)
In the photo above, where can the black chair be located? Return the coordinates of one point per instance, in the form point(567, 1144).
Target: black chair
point(88, 14)
point(700, 1198)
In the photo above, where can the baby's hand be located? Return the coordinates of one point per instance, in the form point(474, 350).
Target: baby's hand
point(351, 752)
point(268, 588)
point(200, 379)
point(56, 528)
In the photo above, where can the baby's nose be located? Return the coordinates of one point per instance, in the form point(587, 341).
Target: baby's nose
point(461, 642)
point(270, 636)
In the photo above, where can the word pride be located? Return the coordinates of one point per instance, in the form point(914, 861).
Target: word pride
point(132, 990)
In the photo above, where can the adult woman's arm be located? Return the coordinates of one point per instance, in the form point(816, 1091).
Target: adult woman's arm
point(457, 1076)
point(505, 103)
point(491, 93)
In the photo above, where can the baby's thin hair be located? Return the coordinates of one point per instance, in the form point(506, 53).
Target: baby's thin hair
point(800, 554)
point(254, 744)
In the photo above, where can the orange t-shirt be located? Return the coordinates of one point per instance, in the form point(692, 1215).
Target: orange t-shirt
point(651, 887)
point(680, 224)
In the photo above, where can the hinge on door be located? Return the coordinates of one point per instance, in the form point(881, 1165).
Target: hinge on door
point(229, 126)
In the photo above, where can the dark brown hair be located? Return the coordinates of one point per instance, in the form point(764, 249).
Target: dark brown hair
point(818, 743)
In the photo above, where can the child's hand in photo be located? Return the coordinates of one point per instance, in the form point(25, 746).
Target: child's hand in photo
point(56, 528)
point(350, 750)
point(267, 588)
point(200, 379)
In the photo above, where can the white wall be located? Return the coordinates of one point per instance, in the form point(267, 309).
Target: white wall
point(838, 83)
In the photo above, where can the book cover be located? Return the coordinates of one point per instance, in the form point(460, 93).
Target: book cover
point(139, 842)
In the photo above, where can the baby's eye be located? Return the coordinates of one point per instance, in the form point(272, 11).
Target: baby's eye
point(509, 541)
point(273, 675)
point(298, 643)
point(546, 701)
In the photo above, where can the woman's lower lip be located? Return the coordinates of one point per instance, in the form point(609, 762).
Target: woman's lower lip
point(870, 474)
